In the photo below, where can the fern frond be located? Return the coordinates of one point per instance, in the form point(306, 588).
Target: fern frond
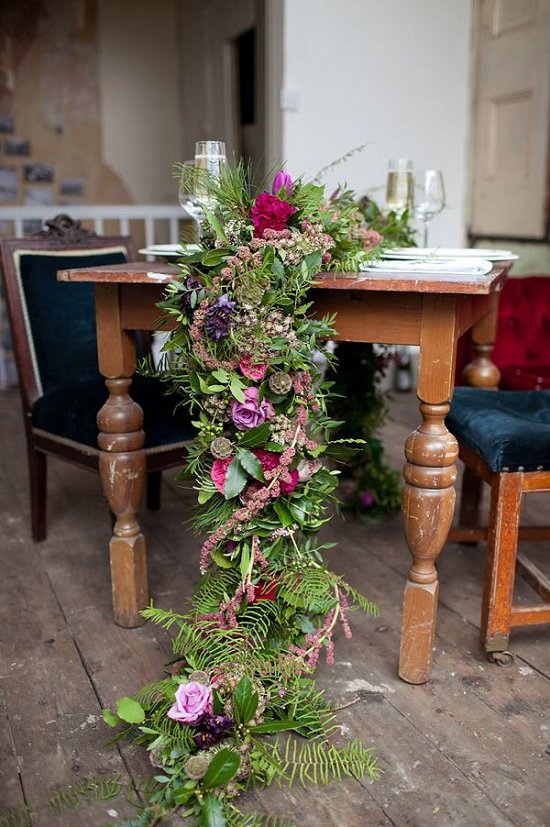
point(235, 818)
point(317, 762)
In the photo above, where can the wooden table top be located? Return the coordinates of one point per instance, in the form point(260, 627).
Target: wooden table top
point(143, 272)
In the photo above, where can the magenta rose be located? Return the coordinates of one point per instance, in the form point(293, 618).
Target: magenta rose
point(193, 700)
point(282, 179)
point(250, 413)
point(269, 213)
point(252, 370)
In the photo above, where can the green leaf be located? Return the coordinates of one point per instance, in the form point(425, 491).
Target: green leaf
point(109, 718)
point(251, 463)
point(130, 711)
point(277, 268)
point(255, 436)
point(235, 480)
point(204, 496)
point(245, 701)
point(221, 560)
point(245, 560)
point(214, 257)
point(283, 513)
point(237, 387)
point(268, 726)
point(221, 769)
point(214, 223)
point(221, 375)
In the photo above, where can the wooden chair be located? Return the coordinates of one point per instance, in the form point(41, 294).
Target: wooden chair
point(504, 439)
point(54, 341)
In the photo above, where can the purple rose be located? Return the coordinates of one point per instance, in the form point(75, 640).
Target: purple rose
point(193, 700)
point(269, 213)
point(249, 414)
point(282, 179)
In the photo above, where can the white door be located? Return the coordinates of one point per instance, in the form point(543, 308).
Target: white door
point(511, 119)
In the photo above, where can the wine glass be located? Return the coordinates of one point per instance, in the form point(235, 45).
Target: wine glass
point(429, 198)
point(399, 186)
point(186, 191)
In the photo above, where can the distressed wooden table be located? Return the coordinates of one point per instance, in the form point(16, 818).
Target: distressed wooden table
point(431, 311)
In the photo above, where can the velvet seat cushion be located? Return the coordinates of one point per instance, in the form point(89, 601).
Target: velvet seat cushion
point(510, 430)
point(70, 412)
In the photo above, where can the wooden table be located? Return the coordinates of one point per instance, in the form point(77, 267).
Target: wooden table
point(430, 311)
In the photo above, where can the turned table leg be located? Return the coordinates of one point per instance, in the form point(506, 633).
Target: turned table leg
point(122, 462)
point(428, 495)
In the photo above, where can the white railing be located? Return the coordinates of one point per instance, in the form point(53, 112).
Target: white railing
point(156, 223)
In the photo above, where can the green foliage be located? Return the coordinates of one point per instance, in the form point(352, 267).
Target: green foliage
point(316, 762)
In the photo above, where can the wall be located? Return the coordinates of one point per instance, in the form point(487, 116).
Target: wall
point(394, 75)
point(140, 103)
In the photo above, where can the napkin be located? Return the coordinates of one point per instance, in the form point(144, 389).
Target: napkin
point(443, 266)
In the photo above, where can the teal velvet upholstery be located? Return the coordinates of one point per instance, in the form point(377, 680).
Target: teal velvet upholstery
point(510, 430)
point(61, 316)
point(61, 323)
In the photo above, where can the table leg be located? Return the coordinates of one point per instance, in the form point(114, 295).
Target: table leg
point(122, 462)
point(482, 372)
point(428, 495)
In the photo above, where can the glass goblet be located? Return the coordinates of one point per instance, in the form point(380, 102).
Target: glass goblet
point(429, 198)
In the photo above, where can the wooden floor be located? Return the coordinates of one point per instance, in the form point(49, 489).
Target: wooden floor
point(472, 747)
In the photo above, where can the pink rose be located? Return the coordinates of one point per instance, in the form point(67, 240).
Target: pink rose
point(250, 413)
point(218, 472)
point(250, 370)
point(193, 700)
point(282, 179)
point(269, 213)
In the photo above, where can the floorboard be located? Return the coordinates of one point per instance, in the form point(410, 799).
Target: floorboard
point(471, 747)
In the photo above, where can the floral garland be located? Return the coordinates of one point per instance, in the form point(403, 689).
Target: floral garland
point(267, 607)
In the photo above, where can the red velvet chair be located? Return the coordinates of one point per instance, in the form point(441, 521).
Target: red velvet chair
point(522, 346)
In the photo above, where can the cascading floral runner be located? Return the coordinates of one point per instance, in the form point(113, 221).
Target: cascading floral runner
point(240, 704)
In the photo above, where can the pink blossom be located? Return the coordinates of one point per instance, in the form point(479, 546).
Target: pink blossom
point(270, 461)
point(193, 700)
point(218, 472)
point(307, 468)
point(269, 213)
point(282, 179)
point(252, 370)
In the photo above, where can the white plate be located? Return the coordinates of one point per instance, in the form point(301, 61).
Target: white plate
point(449, 252)
point(170, 250)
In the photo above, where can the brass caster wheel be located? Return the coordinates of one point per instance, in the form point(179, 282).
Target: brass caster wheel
point(505, 659)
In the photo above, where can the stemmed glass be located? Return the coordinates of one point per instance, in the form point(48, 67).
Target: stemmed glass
point(429, 198)
point(186, 192)
point(399, 186)
point(210, 163)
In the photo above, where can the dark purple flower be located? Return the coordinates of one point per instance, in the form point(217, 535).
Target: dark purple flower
point(191, 288)
point(218, 724)
point(218, 317)
point(282, 179)
point(204, 740)
point(367, 498)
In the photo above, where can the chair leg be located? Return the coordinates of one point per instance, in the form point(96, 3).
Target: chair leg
point(500, 561)
point(38, 470)
point(154, 479)
point(470, 501)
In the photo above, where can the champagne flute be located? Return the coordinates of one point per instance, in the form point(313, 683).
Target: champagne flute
point(429, 198)
point(210, 163)
point(399, 186)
